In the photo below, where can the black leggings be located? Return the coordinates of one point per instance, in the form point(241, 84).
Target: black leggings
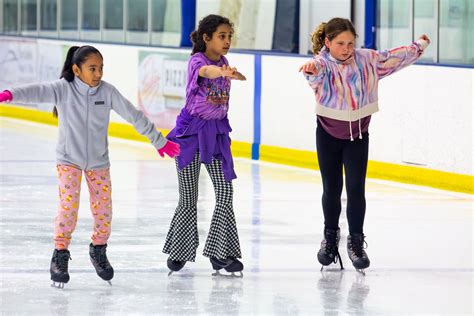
point(333, 154)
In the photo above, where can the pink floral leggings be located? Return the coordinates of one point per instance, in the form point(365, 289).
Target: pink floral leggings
point(100, 191)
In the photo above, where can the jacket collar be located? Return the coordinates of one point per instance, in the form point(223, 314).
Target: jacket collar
point(329, 57)
point(83, 88)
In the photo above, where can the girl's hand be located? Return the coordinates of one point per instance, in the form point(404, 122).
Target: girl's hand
point(309, 68)
point(237, 75)
point(424, 37)
point(170, 148)
point(231, 73)
point(227, 71)
point(5, 96)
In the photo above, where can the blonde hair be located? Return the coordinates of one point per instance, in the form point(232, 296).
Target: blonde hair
point(330, 30)
point(317, 38)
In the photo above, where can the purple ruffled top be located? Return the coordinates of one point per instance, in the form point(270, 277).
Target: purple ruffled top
point(209, 137)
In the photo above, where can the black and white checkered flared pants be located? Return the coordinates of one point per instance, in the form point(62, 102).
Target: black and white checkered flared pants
point(182, 239)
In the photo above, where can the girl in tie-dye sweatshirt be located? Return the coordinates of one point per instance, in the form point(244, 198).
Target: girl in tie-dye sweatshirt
point(345, 82)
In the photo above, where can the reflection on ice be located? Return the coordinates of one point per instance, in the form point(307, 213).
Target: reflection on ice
point(280, 225)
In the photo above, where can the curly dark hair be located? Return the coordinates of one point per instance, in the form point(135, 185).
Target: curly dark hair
point(208, 25)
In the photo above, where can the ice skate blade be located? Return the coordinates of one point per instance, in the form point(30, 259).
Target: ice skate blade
point(361, 271)
point(329, 269)
point(173, 273)
point(232, 275)
point(110, 283)
point(58, 285)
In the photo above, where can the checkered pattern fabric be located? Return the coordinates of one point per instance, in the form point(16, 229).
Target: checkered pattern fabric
point(182, 239)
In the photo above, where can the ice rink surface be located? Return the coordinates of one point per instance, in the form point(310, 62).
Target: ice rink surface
point(420, 242)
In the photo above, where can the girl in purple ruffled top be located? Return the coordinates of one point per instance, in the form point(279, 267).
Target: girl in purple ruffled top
point(202, 131)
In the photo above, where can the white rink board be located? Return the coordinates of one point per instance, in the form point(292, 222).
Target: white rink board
point(426, 115)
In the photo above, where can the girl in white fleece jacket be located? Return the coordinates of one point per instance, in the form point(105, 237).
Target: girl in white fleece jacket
point(83, 104)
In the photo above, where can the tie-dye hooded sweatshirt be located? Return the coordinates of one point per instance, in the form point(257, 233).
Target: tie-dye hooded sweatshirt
point(348, 90)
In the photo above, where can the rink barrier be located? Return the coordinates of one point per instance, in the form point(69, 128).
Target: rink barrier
point(421, 176)
point(30, 114)
point(292, 157)
point(120, 130)
point(126, 131)
point(257, 108)
point(377, 170)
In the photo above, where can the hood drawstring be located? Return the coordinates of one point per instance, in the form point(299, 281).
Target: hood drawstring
point(350, 124)
point(350, 128)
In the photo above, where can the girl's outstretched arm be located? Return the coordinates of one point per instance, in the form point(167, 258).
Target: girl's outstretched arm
point(213, 72)
point(137, 118)
point(390, 61)
point(210, 72)
point(313, 71)
point(48, 92)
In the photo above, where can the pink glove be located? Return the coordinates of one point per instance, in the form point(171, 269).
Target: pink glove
point(6, 96)
point(170, 148)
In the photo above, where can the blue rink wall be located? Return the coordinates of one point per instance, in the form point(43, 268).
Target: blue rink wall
point(423, 133)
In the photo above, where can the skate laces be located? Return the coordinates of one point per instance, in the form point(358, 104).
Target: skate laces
point(101, 257)
point(330, 247)
point(62, 259)
point(358, 244)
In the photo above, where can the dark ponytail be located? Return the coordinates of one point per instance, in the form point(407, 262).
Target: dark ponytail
point(208, 25)
point(75, 56)
point(67, 72)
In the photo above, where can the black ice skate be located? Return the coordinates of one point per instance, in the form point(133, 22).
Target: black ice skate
point(174, 265)
point(329, 251)
point(356, 252)
point(58, 268)
point(230, 264)
point(101, 263)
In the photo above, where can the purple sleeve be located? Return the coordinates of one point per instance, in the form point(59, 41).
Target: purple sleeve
point(193, 82)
